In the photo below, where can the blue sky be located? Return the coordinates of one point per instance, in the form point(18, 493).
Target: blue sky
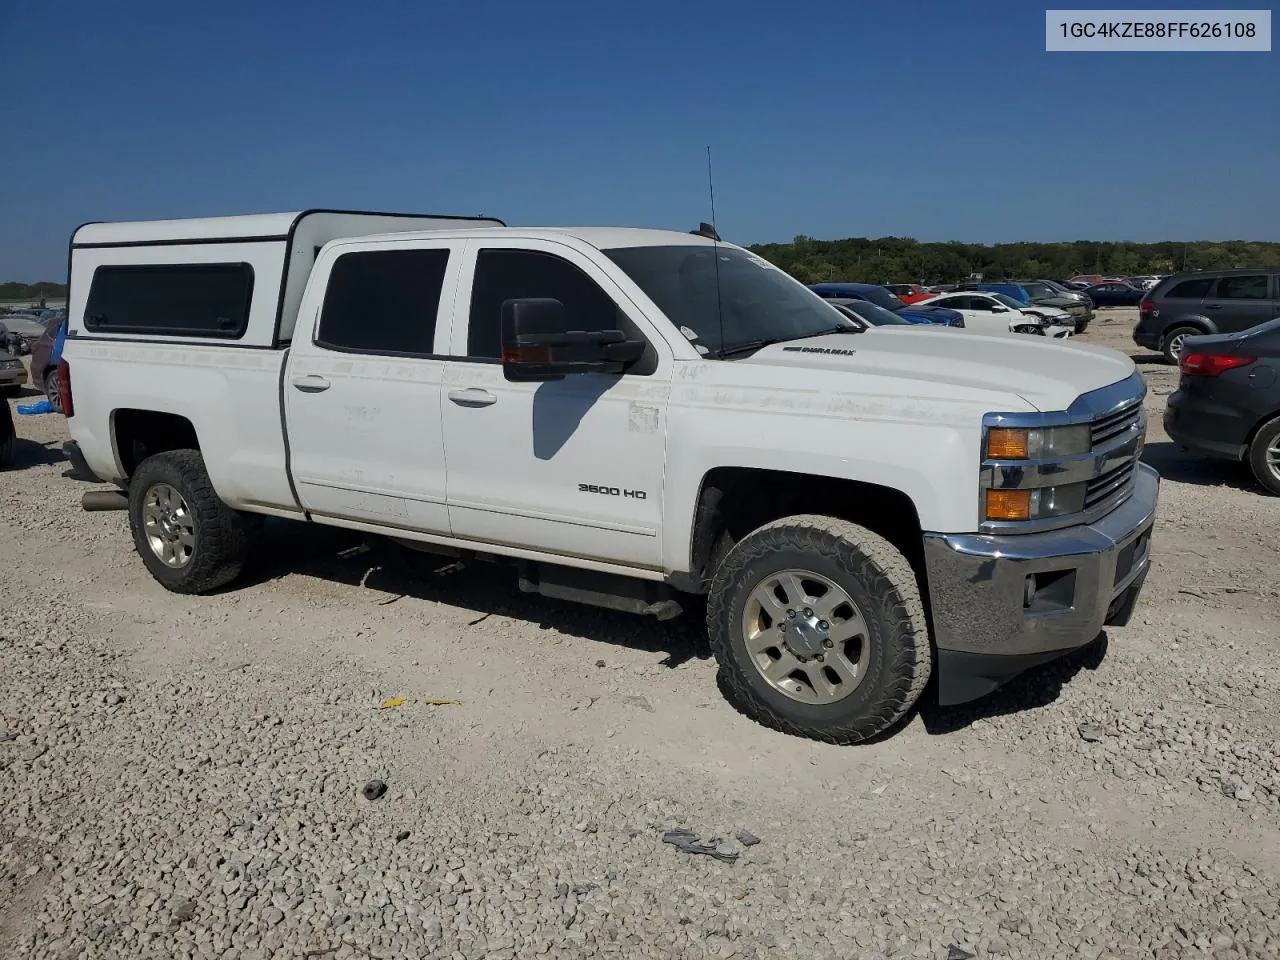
point(936, 120)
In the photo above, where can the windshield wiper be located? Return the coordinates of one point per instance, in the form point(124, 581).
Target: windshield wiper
point(749, 346)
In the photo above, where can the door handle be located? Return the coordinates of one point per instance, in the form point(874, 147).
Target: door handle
point(1213, 306)
point(311, 383)
point(472, 397)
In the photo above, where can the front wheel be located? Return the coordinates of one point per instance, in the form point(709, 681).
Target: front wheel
point(187, 537)
point(1029, 328)
point(819, 630)
point(1264, 456)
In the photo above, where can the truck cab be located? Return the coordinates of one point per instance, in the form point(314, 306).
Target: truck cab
point(631, 418)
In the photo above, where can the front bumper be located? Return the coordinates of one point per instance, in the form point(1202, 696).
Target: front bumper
point(1085, 577)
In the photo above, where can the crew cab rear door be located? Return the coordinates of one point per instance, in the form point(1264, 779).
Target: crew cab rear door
point(571, 466)
point(362, 383)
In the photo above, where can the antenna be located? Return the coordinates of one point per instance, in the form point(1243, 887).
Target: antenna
point(715, 246)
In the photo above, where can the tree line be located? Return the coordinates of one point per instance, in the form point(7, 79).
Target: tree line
point(32, 291)
point(903, 260)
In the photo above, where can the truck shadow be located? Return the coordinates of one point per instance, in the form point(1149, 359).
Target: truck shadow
point(390, 572)
point(1182, 466)
point(29, 453)
point(1038, 687)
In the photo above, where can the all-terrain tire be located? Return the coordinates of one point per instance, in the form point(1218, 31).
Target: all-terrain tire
point(220, 534)
point(876, 577)
point(1267, 439)
point(8, 436)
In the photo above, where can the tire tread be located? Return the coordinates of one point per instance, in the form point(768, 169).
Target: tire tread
point(221, 535)
point(893, 583)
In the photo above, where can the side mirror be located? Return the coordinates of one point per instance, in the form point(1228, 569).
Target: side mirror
point(999, 308)
point(538, 345)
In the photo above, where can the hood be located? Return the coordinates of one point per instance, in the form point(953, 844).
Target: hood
point(931, 313)
point(1048, 374)
point(1060, 302)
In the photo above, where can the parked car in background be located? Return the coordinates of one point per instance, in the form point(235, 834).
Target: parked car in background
point(866, 313)
point(1070, 312)
point(13, 373)
point(44, 362)
point(883, 298)
point(907, 292)
point(1145, 282)
point(1088, 279)
point(1047, 294)
point(1114, 294)
point(26, 325)
point(996, 313)
point(1228, 399)
point(1216, 301)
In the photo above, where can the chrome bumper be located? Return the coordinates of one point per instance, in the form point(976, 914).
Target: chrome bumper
point(1084, 578)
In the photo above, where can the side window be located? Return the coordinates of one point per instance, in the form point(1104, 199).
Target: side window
point(383, 302)
point(980, 303)
point(178, 299)
point(513, 274)
point(1196, 289)
point(1253, 287)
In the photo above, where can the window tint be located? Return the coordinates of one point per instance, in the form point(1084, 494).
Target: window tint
point(181, 299)
point(514, 274)
point(1196, 289)
point(1253, 287)
point(383, 301)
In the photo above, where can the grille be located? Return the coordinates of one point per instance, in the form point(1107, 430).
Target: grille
point(1112, 425)
point(1109, 484)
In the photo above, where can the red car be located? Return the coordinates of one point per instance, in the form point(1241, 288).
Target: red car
point(908, 292)
point(44, 373)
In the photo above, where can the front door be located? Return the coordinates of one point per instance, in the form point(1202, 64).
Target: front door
point(570, 466)
point(362, 385)
point(1240, 301)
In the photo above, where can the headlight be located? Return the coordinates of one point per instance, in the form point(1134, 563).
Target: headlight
point(1037, 443)
point(1038, 503)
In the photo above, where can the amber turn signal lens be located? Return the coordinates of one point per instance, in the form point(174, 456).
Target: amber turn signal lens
point(1008, 504)
point(1007, 443)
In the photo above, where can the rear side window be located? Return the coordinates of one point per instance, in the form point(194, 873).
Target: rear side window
point(1196, 289)
point(383, 302)
point(1253, 287)
point(179, 299)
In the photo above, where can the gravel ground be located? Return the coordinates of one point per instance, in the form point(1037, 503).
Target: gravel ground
point(186, 777)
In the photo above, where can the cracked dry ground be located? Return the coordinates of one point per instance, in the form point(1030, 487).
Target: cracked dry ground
point(183, 777)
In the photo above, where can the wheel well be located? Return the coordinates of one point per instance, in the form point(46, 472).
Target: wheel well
point(736, 500)
point(1195, 324)
point(143, 433)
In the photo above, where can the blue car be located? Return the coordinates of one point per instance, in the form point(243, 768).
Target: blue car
point(915, 313)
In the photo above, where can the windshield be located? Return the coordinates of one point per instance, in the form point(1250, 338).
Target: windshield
point(877, 316)
point(1007, 301)
point(1039, 289)
point(755, 301)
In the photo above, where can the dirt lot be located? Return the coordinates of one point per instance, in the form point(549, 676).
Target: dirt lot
point(182, 778)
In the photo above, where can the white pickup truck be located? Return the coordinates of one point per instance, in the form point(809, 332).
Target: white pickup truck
point(630, 418)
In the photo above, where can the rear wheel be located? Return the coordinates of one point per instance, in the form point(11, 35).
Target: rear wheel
point(8, 436)
point(52, 390)
point(1264, 455)
point(819, 629)
point(1173, 342)
point(188, 538)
